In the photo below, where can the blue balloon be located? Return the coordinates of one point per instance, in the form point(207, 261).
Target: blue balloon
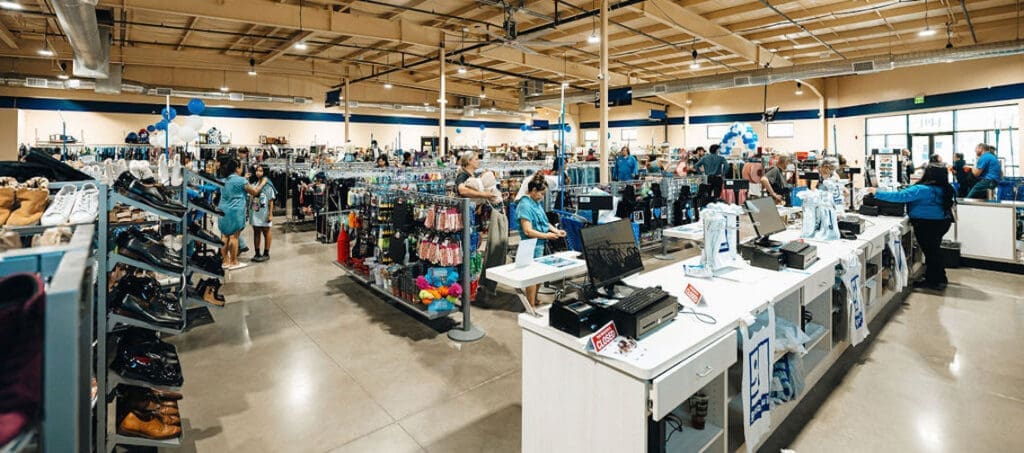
point(524, 128)
point(482, 127)
point(151, 128)
point(196, 106)
point(458, 130)
point(168, 113)
point(162, 125)
point(568, 128)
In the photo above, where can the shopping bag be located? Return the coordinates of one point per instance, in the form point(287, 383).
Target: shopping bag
point(901, 272)
point(758, 336)
point(857, 322)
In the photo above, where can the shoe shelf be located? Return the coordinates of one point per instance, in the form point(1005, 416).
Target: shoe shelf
point(142, 224)
point(117, 198)
point(114, 319)
point(194, 206)
point(197, 317)
point(197, 176)
point(201, 271)
point(431, 315)
point(215, 245)
point(121, 439)
point(199, 302)
point(116, 258)
point(114, 379)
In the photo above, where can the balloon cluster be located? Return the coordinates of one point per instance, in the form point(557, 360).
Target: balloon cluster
point(167, 132)
point(742, 131)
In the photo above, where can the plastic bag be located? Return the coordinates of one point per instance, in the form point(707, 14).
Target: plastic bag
point(757, 334)
point(789, 338)
point(787, 379)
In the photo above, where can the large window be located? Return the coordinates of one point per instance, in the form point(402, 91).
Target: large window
point(967, 126)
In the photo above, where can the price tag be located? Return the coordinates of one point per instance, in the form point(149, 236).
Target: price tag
point(603, 337)
point(693, 294)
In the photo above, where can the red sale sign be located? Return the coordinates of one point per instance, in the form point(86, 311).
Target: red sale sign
point(604, 337)
point(693, 294)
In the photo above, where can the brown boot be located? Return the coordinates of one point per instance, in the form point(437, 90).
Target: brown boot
point(32, 198)
point(152, 428)
point(8, 186)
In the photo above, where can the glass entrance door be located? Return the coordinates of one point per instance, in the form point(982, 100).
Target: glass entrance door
point(924, 145)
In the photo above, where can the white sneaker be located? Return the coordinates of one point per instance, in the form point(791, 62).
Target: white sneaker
point(121, 166)
point(109, 172)
point(87, 203)
point(140, 168)
point(60, 208)
point(176, 173)
point(161, 170)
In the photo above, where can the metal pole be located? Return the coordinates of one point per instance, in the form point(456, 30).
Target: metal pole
point(603, 139)
point(346, 97)
point(468, 332)
point(443, 100)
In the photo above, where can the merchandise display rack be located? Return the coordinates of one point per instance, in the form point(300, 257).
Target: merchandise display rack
point(68, 340)
point(108, 322)
point(467, 331)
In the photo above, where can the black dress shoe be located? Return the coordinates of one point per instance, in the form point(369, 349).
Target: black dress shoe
point(132, 187)
point(201, 202)
point(132, 307)
point(138, 249)
point(153, 240)
point(150, 291)
point(149, 369)
point(197, 231)
point(208, 263)
point(139, 336)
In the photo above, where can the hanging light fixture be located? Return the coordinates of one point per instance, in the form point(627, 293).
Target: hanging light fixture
point(224, 86)
point(63, 71)
point(11, 5)
point(387, 76)
point(46, 51)
point(483, 92)
point(928, 31)
point(949, 36)
point(693, 53)
point(799, 89)
point(252, 66)
point(689, 101)
point(301, 45)
point(594, 38)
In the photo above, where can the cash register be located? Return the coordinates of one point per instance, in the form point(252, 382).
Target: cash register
point(611, 253)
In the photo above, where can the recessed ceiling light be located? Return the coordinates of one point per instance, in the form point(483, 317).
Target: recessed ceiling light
point(11, 5)
point(301, 45)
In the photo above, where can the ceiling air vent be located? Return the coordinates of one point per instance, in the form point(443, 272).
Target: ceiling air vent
point(660, 89)
point(399, 106)
point(163, 91)
point(864, 66)
point(741, 81)
point(239, 97)
point(256, 98)
point(33, 82)
point(759, 80)
point(353, 104)
point(300, 101)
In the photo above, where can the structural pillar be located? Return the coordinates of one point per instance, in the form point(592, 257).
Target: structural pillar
point(9, 124)
point(344, 98)
point(443, 100)
point(603, 138)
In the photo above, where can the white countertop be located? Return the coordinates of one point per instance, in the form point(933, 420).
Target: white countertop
point(537, 273)
point(729, 298)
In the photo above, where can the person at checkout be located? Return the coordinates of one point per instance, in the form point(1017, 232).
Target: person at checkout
point(533, 223)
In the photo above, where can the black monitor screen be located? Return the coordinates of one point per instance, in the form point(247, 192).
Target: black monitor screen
point(765, 216)
point(611, 252)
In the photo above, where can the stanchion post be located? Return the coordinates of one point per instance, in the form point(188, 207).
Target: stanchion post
point(468, 332)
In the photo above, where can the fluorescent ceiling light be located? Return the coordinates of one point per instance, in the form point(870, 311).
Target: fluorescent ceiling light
point(11, 5)
point(926, 32)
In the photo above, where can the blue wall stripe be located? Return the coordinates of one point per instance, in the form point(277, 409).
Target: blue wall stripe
point(994, 94)
point(220, 112)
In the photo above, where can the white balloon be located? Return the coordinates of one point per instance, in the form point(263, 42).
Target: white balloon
point(194, 121)
point(157, 138)
point(172, 129)
point(186, 133)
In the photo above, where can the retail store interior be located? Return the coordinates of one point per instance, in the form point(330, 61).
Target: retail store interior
point(511, 226)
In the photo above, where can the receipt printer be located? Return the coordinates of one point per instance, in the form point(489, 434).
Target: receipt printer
point(577, 318)
point(799, 255)
point(767, 258)
point(851, 223)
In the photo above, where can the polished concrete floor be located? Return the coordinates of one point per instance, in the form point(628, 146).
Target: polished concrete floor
point(303, 359)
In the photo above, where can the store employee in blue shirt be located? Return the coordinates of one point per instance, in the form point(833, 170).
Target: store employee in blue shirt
point(713, 166)
point(533, 223)
point(626, 166)
point(930, 207)
point(987, 169)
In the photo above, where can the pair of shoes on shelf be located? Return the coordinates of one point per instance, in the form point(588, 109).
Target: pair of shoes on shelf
point(23, 204)
point(53, 236)
point(195, 230)
point(208, 290)
point(142, 298)
point(148, 362)
point(209, 261)
point(71, 205)
point(148, 413)
point(142, 246)
point(202, 203)
point(148, 193)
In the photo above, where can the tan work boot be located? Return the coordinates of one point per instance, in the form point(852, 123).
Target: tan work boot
point(32, 198)
point(7, 187)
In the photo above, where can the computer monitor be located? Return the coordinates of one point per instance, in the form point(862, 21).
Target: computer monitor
point(611, 253)
point(766, 219)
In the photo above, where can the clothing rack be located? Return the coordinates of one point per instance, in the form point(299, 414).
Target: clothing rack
point(467, 332)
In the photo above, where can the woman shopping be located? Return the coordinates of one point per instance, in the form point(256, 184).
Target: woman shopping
point(930, 206)
point(533, 223)
point(233, 204)
point(467, 185)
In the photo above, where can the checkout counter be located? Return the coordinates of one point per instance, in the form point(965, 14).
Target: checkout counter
point(989, 230)
point(577, 401)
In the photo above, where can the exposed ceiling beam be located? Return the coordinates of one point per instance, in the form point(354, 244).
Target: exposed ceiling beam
point(284, 46)
point(683, 19)
point(239, 41)
point(314, 19)
point(188, 32)
point(747, 8)
point(7, 37)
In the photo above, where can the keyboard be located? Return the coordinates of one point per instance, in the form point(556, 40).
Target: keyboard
point(640, 299)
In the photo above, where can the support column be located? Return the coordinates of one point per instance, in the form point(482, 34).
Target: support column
point(603, 137)
point(9, 134)
point(443, 100)
point(345, 98)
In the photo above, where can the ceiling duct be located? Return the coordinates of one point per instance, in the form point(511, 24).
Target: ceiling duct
point(111, 84)
point(799, 72)
point(92, 49)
